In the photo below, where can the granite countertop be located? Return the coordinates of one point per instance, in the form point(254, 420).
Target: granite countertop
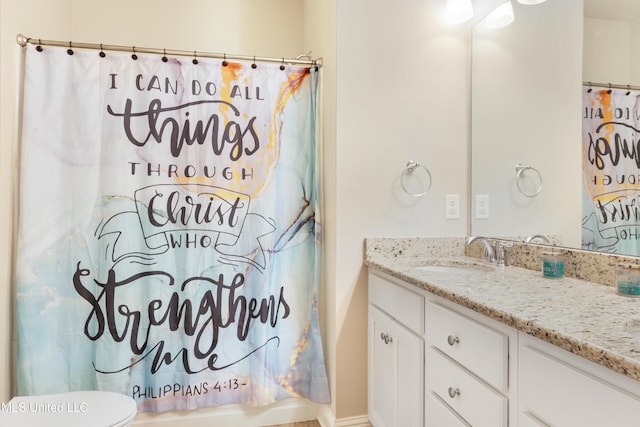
point(585, 318)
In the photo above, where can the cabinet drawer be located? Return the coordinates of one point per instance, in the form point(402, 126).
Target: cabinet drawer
point(480, 349)
point(439, 414)
point(400, 303)
point(473, 400)
point(564, 396)
point(528, 420)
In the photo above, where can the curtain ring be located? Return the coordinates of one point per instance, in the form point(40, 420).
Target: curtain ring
point(590, 88)
point(133, 55)
point(520, 169)
point(282, 65)
point(70, 51)
point(254, 63)
point(409, 169)
point(224, 61)
point(628, 90)
point(39, 47)
point(195, 58)
point(164, 56)
point(609, 91)
point(102, 54)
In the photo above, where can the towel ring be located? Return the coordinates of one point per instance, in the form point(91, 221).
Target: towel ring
point(409, 169)
point(520, 169)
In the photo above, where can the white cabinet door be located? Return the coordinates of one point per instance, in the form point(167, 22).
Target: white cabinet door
point(381, 360)
point(396, 360)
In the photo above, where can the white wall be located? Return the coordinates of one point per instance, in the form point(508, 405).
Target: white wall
point(264, 28)
point(403, 94)
point(607, 51)
point(611, 51)
point(634, 54)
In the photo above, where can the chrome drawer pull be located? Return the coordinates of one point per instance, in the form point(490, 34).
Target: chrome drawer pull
point(452, 340)
point(453, 392)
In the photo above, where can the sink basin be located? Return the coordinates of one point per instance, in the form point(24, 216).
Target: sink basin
point(455, 268)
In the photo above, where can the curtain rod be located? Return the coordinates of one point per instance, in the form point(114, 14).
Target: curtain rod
point(610, 86)
point(23, 41)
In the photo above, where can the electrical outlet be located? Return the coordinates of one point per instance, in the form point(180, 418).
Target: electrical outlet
point(452, 206)
point(482, 206)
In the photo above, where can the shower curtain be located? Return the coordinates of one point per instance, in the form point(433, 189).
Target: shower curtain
point(611, 170)
point(169, 229)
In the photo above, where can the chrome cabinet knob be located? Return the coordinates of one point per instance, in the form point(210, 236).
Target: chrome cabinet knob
point(453, 340)
point(453, 392)
point(386, 338)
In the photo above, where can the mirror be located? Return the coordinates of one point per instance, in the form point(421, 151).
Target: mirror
point(526, 103)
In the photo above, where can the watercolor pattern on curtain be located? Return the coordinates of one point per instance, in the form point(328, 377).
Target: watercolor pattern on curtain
point(169, 230)
point(611, 170)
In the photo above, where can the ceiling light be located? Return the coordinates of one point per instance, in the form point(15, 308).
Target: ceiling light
point(501, 16)
point(458, 11)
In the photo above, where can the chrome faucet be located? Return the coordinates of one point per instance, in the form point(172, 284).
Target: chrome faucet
point(488, 254)
point(502, 256)
point(494, 252)
point(531, 238)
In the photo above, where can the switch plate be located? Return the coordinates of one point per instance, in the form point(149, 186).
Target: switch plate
point(482, 206)
point(452, 206)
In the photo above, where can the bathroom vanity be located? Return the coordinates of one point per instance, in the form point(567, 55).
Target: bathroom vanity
point(454, 342)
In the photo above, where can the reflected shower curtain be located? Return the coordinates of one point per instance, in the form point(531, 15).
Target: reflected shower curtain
point(169, 233)
point(611, 170)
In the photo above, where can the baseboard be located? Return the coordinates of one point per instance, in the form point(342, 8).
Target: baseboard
point(326, 418)
point(359, 421)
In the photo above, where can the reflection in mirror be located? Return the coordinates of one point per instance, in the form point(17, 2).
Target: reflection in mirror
point(610, 212)
point(526, 91)
point(526, 98)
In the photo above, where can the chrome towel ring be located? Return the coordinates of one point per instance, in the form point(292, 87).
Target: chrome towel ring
point(409, 169)
point(520, 170)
